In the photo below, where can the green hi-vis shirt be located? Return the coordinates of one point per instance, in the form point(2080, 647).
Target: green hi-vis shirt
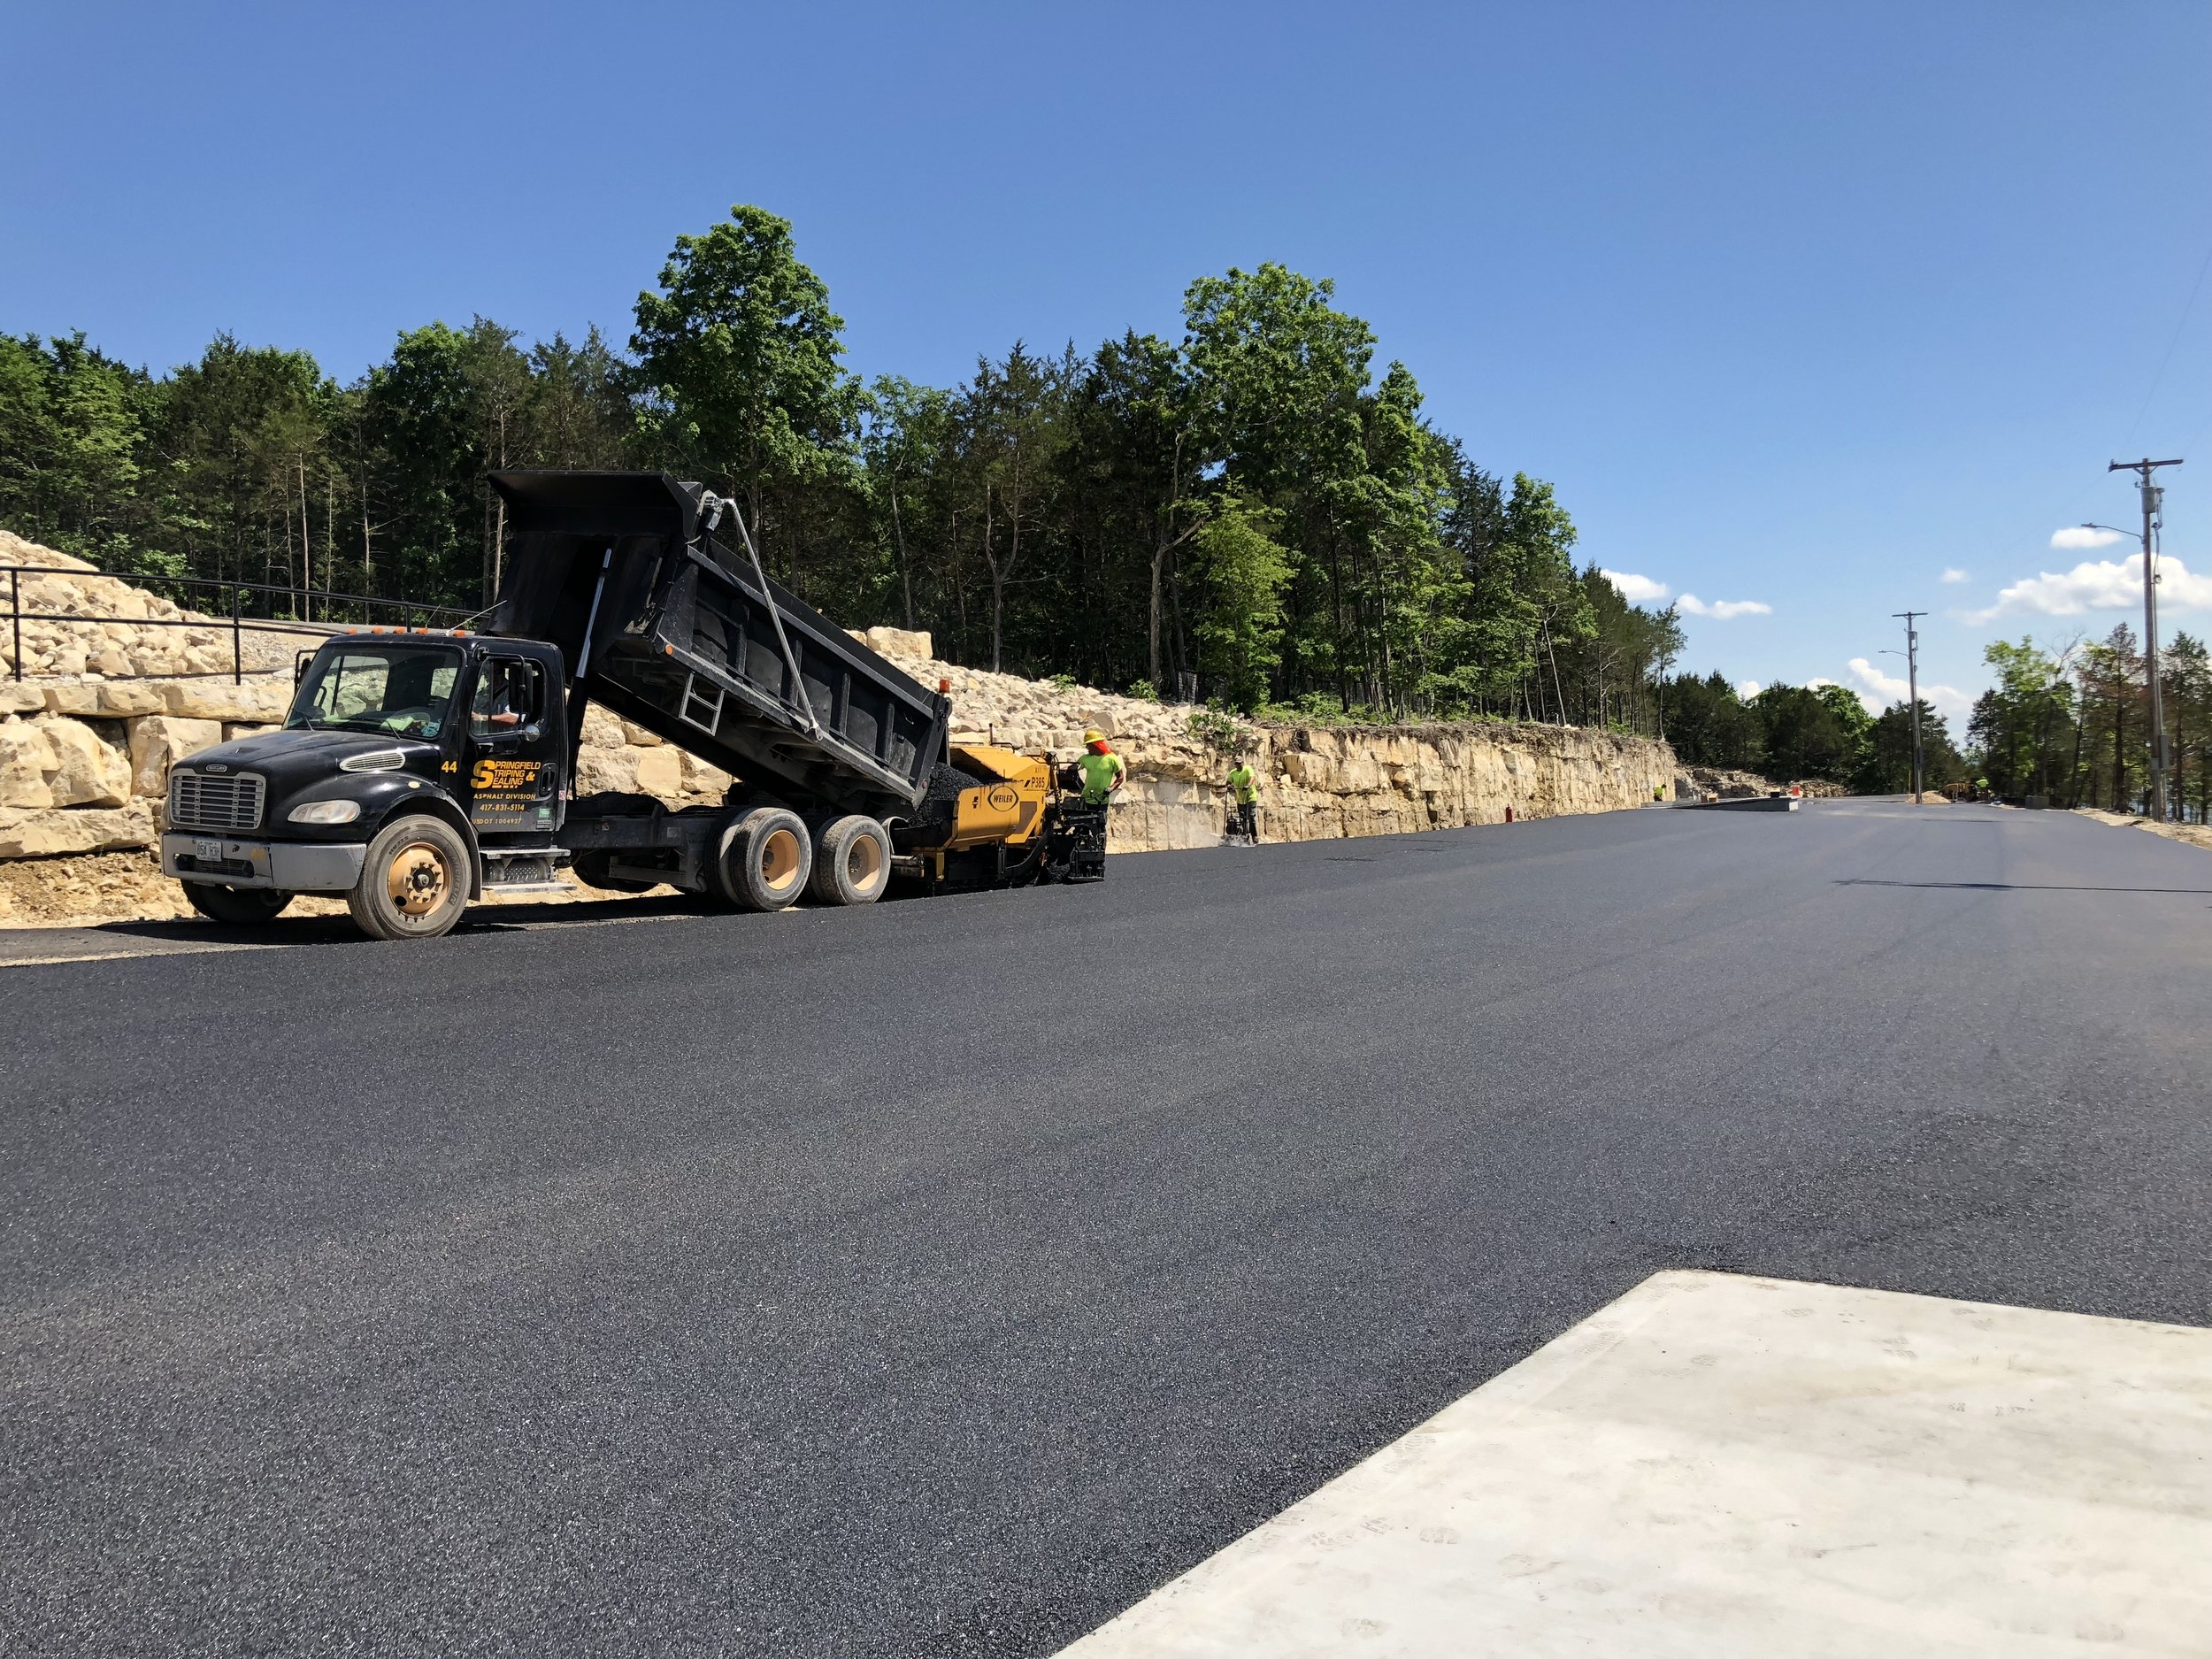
point(1100, 772)
point(1248, 790)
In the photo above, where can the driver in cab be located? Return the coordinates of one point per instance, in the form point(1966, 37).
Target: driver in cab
point(502, 696)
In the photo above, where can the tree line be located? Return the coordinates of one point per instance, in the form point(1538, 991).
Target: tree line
point(1254, 510)
point(1251, 515)
point(2072, 723)
point(1808, 731)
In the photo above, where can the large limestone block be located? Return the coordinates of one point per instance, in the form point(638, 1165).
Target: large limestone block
point(88, 771)
point(910, 645)
point(27, 764)
point(600, 771)
point(47, 834)
point(158, 741)
point(20, 696)
point(659, 770)
point(259, 699)
point(107, 699)
point(701, 779)
point(638, 737)
point(602, 729)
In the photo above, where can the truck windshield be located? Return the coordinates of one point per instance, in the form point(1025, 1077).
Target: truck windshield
point(398, 689)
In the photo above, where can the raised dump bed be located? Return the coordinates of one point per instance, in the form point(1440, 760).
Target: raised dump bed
point(671, 629)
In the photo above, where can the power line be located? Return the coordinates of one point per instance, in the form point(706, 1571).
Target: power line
point(2166, 361)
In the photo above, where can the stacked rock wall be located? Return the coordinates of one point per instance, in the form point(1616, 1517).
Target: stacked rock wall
point(1315, 782)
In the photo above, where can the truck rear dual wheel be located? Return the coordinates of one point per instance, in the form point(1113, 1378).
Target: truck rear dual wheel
point(766, 858)
point(852, 860)
point(415, 881)
point(235, 907)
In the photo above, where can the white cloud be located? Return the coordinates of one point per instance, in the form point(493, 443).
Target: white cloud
point(2100, 585)
point(1818, 681)
point(2078, 536)
point(1636, 589)
point(1878, 689)
point(1749, 688)
point(1952, 574)
point(1724, 610)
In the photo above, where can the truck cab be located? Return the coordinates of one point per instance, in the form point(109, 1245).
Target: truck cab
point(466, 733)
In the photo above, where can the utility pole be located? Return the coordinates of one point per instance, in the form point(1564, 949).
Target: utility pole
point(2153, 495)
point(1912, 690)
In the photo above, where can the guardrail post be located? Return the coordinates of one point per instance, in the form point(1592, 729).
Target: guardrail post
point(15, 615)
point(237, 642)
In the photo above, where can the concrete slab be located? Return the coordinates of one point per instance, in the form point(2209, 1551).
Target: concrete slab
point(1717, 1465)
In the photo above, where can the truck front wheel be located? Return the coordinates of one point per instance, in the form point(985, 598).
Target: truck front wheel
point(414, 883)
point(766, 856)
point(235, 907)
point(852, 862)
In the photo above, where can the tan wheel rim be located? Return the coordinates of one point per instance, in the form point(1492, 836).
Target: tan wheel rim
point(780, 860)
point(416, 879)
point(864, 863)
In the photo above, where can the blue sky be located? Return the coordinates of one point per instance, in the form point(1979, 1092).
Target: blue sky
point(1800, 306)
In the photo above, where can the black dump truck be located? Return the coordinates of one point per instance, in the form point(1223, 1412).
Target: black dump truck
point(419, 769)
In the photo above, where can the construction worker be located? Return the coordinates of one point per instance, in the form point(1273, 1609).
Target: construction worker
point(1246, 789)
point(1103, 771)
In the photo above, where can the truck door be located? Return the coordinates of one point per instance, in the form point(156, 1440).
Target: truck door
point(516, 747)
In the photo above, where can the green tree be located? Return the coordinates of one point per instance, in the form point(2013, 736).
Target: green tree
point(1239, 571)
point(906, 437)
point(2022, 728)
point(1710, 725)
point(425, 422)
point(1802, 736)
point(240, 465)
point(1886, 768)
point(1278, 374)
point(739, 353)
point(72, 424)
point(2187, 674)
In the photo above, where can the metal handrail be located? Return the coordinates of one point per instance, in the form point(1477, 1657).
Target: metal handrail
point(239, 623)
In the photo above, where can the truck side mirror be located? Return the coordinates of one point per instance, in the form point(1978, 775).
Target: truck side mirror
point(300, 660)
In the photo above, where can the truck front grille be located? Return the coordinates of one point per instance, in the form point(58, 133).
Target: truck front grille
point(197, 800)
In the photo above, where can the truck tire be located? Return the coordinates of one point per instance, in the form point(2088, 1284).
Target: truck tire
point(852, 860)
point(766, 856)
point(235, 907)
point(414, 883)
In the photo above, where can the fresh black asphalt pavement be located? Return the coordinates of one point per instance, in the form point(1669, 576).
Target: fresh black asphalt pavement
point(942, 1277)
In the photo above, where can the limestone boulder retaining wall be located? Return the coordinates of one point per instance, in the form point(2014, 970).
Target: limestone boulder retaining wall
point(1315, 782)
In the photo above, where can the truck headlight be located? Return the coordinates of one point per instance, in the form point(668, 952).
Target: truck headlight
point(325, 812)
point(375, 760)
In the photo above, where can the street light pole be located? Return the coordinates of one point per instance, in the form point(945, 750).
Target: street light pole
point(1912, 691)
point(2152, 496)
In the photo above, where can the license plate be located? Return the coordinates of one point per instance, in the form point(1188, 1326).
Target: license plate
point(207, 849)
